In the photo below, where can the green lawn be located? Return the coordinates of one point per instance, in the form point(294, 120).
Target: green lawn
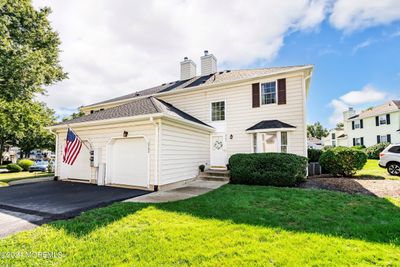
point(12, 176)
point(372, 170)
point(235, 225)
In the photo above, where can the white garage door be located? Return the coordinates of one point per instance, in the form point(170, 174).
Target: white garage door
point(128, 162)
point(81, 169)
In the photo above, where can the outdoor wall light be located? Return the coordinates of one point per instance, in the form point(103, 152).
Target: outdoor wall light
point(125, 134)
point(231, 136)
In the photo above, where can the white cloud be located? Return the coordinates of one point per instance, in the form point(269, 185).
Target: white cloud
point(111, 48)
point(350, 15)
point(356, 99)
point(362, 45)
point(367, 94)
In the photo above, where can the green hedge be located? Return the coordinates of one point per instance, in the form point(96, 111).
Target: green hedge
point(277, 169)
point(25, 164)
point(343, 161)
point(314, 154)
point(373, 151)
point(13, 167)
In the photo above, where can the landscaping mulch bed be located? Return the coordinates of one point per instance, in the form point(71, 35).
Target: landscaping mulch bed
point(380, 188)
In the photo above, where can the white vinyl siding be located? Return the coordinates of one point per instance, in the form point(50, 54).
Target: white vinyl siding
point(99, 136)
point(242, 115)
point(182, 151)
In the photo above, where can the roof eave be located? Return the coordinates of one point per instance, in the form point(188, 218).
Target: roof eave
point(200, 87)
point(271, 130)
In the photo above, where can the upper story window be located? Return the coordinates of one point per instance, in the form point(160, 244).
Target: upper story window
point(333, 136)
point(382, 120)
point(357, 124)
point(268, 93)
point(218, 111)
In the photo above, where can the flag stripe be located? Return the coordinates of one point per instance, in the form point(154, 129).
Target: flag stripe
point(72, 148)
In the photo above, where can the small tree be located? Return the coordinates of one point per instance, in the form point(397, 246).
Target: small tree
point(317, 130)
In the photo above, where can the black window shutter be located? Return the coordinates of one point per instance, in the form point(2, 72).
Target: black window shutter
point(361, 123)
point(256, 94)
point(388, 138)
point(281, 91)
point(387, 118)
point(377, 121)
point(362, 141)
point(354, 141)
point(378, 139)
point(352, 125)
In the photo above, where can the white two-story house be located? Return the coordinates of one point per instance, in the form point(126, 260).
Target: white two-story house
point(159, 136)
point(374, 125)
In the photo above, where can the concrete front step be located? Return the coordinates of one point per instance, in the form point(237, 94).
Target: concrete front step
point(223, 173)
point(213, 178)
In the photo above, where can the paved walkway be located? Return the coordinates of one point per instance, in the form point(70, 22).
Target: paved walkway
point(186, 191)
point(12, 222)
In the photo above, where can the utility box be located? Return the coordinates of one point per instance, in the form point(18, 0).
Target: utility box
point(95, 156)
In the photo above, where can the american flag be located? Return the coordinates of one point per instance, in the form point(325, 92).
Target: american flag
point(72, 147)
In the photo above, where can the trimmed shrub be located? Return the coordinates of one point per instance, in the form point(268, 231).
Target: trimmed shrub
point(358, 147)
point(314, 154)
point(343, 161)
point(373, 151)
point(277, 169)
point(25, 164)
point(12, 167)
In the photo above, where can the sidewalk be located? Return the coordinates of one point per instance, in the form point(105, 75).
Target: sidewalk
point(192, 189)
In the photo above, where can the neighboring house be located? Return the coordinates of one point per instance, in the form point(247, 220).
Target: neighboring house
point(335, 137)
point(10, 154)
point(314, 143)
point(374, 125)
point(161, 135)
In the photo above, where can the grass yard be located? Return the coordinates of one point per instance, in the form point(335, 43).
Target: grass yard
point(235, 225)
point(372, 170)
point(13, 176)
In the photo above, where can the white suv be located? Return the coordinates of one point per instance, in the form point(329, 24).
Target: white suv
point(389, 158)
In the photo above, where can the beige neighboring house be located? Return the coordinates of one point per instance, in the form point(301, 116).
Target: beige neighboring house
point(374, 125)
point(335, 137)
point(160, 136)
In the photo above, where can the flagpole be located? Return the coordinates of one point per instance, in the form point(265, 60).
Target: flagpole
point(83, 142)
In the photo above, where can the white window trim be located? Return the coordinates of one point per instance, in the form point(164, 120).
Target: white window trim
point(276, 92)
point(287, 142)
point(357, 124)
point(384, 136)
point(225, 107)
point(385, 118)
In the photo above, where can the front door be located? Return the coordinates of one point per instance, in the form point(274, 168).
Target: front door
point(218, 151)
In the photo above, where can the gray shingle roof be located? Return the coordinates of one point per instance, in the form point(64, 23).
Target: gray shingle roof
point(143, 106)
point(218, 77)
point(391, 106)
point(270, 124)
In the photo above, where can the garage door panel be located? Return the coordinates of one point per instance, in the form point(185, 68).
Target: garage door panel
point(128, 163)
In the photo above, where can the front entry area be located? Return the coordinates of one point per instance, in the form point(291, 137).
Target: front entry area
point(128, 162)
point(218, 157)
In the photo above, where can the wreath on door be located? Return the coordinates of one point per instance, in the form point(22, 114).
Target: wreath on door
point(218, 145)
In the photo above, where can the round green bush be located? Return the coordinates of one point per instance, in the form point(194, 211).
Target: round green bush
point(373, 151)
point(314, 154)
point(25, 164)
point(277, 169)
point(343, 161)
point(13, 167)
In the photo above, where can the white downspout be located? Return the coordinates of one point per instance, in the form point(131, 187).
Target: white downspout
point(56, 152)
point(157, 153)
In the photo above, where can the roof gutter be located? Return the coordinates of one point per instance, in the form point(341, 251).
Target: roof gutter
point(150, 117)
point(200, 87)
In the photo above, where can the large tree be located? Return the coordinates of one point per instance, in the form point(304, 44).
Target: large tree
point(29, 51)
point(317, 130)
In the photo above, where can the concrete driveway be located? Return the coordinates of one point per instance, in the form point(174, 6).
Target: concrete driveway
point(23, 206)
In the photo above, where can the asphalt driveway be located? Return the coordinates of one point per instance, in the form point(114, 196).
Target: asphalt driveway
point(56, 199)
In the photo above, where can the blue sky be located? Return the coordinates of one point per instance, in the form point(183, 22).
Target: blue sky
point(112, 48)
point(344, 63)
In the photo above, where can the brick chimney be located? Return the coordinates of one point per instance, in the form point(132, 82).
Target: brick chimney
point(188, 69)
point(208, 64)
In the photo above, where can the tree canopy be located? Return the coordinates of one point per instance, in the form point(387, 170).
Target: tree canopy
point(317, 130)
point(29, 51)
